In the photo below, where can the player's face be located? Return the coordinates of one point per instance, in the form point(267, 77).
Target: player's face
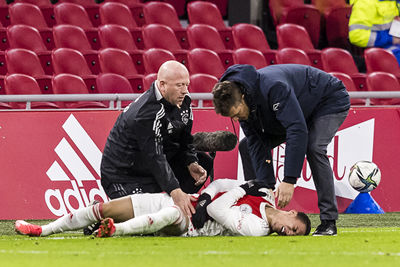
point(175, 89)
point(239, 112)
point(288, 224)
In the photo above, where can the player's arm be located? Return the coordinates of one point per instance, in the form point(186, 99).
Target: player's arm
point(220, 185)
point(233, 219)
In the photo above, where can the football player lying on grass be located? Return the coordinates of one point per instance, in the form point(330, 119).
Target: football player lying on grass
point(224, 208)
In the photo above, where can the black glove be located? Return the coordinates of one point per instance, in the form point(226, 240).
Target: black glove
point(252, 188)
point(201, 215)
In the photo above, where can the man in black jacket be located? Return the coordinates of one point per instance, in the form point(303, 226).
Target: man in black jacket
point(296, 104)
point(150, 149)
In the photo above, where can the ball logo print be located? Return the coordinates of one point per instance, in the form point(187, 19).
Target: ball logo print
point(364, 176)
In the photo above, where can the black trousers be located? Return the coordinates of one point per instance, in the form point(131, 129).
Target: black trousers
point(186, 181)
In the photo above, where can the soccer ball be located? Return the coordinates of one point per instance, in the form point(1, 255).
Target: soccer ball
point(364, 176)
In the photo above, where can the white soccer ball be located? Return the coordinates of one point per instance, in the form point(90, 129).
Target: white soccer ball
point(364, 176)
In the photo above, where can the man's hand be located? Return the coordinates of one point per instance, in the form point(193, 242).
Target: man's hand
point(253, 187)
point(198, 173)
point(284, 194)
point(201, 215)
point(182, 200)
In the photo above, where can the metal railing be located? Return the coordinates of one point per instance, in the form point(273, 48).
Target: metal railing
point(115, 99)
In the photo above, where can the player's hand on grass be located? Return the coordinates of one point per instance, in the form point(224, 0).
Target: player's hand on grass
point(284, 194)
point(198, 173)
point(201, 215)
point(182, 200)
point(253, 187)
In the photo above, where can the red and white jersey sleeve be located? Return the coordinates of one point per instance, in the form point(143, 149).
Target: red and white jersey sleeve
point(241, 214)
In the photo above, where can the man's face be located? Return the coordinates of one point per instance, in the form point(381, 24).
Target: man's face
point(174, 90)
point(288, 224)
point(240, 111)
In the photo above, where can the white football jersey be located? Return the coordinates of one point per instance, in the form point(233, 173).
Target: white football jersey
point(233, 212)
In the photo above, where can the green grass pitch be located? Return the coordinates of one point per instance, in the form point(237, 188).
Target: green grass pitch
point(363, 240)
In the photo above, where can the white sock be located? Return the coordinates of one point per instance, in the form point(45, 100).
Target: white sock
point(75, 220)
point(150, 223)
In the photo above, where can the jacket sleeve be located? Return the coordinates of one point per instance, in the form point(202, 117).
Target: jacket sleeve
point(361, 26)
point(188, 154)
point(246, 224)
point(284, 103)
point(150, 141)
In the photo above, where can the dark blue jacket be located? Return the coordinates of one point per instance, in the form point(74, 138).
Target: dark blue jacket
point(283, 100)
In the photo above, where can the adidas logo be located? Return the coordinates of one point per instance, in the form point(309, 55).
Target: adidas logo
point(79, 162)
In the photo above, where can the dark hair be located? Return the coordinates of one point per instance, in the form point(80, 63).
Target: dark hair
point(304, 219)
point(226, 95)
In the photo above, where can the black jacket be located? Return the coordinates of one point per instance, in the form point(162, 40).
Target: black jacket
point(147, 134)
point(283, 99)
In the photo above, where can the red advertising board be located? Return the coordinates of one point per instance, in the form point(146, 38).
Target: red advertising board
point(50, 161)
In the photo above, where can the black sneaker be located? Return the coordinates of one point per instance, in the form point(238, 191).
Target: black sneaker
point(91, 228)
point(326, 228)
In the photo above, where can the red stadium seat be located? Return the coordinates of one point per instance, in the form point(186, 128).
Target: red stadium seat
point(162, 36)
point(383, 81)
point(164, 13)
point(3, 63)
point(350, 86)
point(340, 60)
point(71, 36)
point(136, 8)
point(45, 6)
point(4, 45)
point(67, 60)
point(153, 58)
point(337, 26)
point(24, 36)
point(326, 5)
point(291, 55)
point(120, 62)
point(120, 14)
point(4, 14)
point(201, 12)
point(249, 56)
point(5, 106)
point(148, 80)
point(66, 83)
point(206, 61)
point(25, 61)
point(118, 36)
point(91, 7)
point(292, 35)
point(112, 83)
point(251, 36)
point(21, 84)
point(202, 83)
point(18, 15)
point(74, 14)
point(206, 36)
point(296, 12)
point(379, 59)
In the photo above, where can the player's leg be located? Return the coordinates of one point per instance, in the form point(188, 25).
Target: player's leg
point(145, 224)
point(80, 218)
point(321, 132)
point(152, 212)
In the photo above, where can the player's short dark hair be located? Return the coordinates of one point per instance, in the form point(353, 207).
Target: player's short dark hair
point(226, 95)
point(304, 219)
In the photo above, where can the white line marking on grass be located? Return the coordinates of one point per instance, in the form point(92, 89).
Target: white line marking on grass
point(372, 230)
